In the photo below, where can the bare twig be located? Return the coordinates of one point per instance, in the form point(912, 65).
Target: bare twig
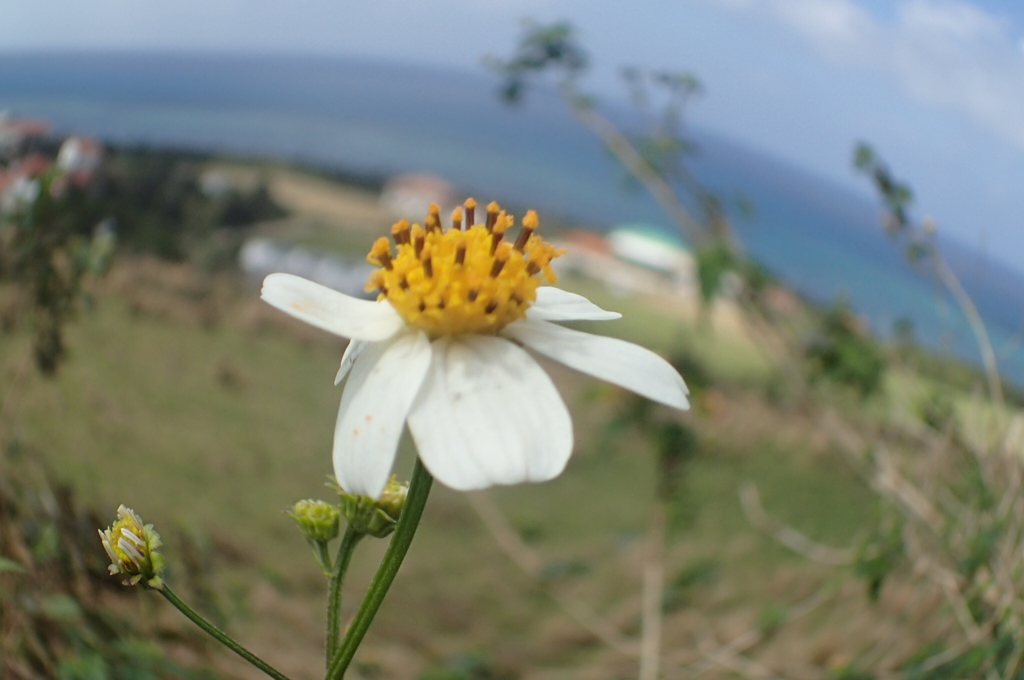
point(888, 479)
point(532, 564)
point(945, 656)
point(951, 587)
point(11, 398)
point(1012, 459)
point(627, 154)
point(750, 501)
point(654, 577)
point(988, 356)
point(1011, 667)
point(749, 638)
point(733, 661)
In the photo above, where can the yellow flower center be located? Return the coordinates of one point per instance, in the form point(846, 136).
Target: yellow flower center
point(129, 544)
point(462, 280)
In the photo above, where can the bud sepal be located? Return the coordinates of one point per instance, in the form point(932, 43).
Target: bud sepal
point(318, 520)
point(371, 517)
point(320, 523)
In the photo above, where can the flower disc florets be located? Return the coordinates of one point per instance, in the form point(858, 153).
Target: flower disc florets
point(132, 548)
point(319, 521)
point(462, 280)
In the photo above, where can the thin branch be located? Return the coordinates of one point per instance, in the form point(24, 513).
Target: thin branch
point(1011, 667)
point(621, 147)
point(945, 656)
point(752, 636)
point(1011, 455)
point(988, 357)
point(733, 661)
point(888, 478)
point(653, 590)
point(950, 587)
point(750, 501)
point(532, 564)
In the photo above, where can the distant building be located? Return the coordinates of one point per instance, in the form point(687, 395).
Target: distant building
point(651, 247)
point(16, 133)
point(628, 261)
point(19, 183)
point(16, 192)
point(409, 196)
point(29, 152)
point(260, 257)
point(79, 158)
point(215, 183)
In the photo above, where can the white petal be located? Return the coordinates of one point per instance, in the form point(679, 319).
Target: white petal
point(330, 310)
point(488, 414)
point(617, 361)
point(352, 352)
point(381, 388)
point(555, 304)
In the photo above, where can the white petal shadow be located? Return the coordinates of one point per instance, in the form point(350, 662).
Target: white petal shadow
point(330, 310)
point(488, 414)
point(352, 352)
point(381, 388)
point(617, 361)
point(555, 304)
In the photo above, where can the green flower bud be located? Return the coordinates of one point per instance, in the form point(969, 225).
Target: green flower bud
point(318, 520)
point(376, 518)
point(132, 547)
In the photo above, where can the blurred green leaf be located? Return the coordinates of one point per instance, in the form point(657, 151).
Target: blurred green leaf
point(61, 608)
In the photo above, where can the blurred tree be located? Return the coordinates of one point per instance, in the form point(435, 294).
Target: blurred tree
point(48, 252)
point(842, 351)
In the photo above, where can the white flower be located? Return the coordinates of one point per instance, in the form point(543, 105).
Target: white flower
point(443, 350)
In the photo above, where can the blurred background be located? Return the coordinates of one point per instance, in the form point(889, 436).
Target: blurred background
point(811, 207)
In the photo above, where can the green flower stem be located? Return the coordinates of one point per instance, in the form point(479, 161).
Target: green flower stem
point(323, 557)
point(419, 489)
point(220, 635)
point(345, 551)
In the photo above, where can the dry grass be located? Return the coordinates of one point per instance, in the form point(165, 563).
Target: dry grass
point(209, 413)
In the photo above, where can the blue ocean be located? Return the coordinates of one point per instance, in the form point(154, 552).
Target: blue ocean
point(377, 119)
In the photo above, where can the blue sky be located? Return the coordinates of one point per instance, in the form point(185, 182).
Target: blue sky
point(937, 86)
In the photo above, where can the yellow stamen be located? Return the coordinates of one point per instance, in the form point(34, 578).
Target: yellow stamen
point(530, 224)
point(501, 225)
point(400, 232)
point(428, 263)
point(501, 257)
point(492, 213)
point(418, 238)
point(380, 254)
point(463, 280)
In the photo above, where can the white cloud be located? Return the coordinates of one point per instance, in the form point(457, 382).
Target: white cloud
point(827, 22)
point(948, 53)
point(957, 55)
point(950, 19)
